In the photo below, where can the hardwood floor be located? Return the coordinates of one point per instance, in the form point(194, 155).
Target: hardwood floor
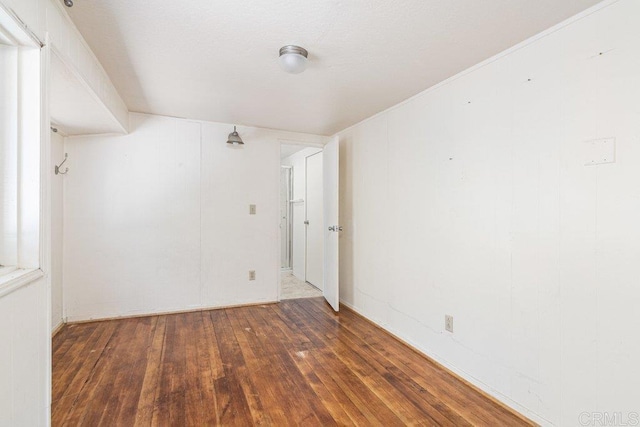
point(292, 363)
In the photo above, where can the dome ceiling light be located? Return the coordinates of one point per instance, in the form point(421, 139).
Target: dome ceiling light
point(293, 59)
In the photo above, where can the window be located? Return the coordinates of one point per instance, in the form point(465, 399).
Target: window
point(20, 130)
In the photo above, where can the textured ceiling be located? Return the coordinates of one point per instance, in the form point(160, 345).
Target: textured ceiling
point(217, 59)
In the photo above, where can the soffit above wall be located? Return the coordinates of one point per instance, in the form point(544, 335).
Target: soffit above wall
point(75, 109)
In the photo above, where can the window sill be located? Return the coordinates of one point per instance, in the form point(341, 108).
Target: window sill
point(18, 278)
point(6, 270)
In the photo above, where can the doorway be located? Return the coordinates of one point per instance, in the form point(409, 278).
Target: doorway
point(301, 204)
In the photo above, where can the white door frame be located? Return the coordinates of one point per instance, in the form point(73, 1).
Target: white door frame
point(289, 210)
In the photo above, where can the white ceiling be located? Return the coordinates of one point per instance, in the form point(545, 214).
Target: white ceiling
point(217, 59)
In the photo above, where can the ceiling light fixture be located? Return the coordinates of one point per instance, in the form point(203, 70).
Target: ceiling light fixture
point(234, 138)
point(68, 3)
point(293, 59)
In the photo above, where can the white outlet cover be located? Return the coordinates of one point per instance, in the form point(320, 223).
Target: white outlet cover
point(600, 151)
point(448, 323)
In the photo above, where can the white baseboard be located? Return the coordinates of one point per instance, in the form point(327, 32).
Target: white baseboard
point(466, 377)
point(57, 327)
point(160, 312)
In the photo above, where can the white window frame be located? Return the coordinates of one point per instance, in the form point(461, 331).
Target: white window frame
point(28, 131)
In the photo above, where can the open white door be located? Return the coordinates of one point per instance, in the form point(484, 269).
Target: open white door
point(330, 162)
point(314, 211)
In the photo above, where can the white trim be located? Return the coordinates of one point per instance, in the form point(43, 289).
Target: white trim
point(45, 212)
point(531, 40)
point(17, 28)
point(161, 312)
point(302, 143)
point(13, 281)
point(6, 270)
point(57, 328)
point(298, 138)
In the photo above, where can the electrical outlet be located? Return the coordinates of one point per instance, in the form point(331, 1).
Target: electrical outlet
point(252, 209)
point(448, 323)
point(252, 275)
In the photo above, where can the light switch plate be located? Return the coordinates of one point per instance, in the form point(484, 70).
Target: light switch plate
point(600, 151)
point(252, 209)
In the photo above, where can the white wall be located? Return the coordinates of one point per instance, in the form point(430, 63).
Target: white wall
point(158, 220)
point(24, 295)
point(25, 313)
point(23, 356)
point(297, 161)
point(57, 191)
point(472, 199)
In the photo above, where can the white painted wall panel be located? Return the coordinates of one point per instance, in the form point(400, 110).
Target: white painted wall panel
point(234, 242)
point(158, 220)
point(23, 356)
point(131, 224)
point(490, 215)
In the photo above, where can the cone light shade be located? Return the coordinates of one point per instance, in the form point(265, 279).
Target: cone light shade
point(234, 138)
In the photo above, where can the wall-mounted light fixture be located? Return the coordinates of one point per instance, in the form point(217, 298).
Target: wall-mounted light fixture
point(234, 138)
point(293, 59)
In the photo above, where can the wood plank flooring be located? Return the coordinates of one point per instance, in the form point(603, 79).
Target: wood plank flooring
point(292, 363)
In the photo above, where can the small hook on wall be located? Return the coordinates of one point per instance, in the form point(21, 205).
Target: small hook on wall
point(58, 171)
